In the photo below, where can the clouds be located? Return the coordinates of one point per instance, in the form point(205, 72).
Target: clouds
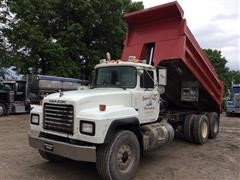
point(215, 24)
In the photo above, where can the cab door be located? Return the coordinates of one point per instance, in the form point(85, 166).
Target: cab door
point(148, 97)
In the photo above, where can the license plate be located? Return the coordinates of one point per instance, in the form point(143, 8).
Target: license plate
point(48, 147)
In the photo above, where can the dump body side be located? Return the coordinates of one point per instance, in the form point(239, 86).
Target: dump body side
point(164, 28)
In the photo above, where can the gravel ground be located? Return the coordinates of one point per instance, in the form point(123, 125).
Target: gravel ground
point(218, 159)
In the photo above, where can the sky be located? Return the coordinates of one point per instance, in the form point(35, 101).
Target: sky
point(214, 23)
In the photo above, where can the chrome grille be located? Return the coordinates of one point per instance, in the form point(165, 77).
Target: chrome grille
point(11, 96)
point(58, 117)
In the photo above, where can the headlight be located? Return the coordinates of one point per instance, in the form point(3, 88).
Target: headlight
point(35, 119)
point(87, 128)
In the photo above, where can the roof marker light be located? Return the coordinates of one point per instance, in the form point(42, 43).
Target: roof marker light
point(102, 107)
point(102, 61)
point(131, 58)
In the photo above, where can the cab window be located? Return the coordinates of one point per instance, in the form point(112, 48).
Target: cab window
point(146, 80)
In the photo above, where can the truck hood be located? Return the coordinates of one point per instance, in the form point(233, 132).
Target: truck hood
point(91, 98)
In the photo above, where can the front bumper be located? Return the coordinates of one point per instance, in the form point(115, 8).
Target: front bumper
point(70, 151)
point(233, 110)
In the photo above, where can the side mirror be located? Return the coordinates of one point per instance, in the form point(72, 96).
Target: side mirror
point(140, 72)
point(162, 76)
point(91, 76)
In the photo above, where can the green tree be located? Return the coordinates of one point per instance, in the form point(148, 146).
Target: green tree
point(225, 74)
point(58, 37)
point(235, 76)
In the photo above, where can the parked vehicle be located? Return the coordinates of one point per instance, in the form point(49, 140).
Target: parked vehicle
point(17, 95)
point(39, 86)
point(233, 105)
point(12, 96)
point(134, 106)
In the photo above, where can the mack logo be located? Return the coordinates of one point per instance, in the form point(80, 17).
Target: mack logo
point(57, 101)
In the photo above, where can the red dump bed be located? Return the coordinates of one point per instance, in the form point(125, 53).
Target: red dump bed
point(165, 26)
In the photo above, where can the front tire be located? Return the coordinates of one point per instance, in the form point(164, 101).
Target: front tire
point(120, 158)
point(3, 110)
point(228, 114)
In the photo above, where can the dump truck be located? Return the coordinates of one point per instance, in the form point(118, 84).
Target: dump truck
point(39, 86)
point(17, 96)
point(233, 105)
point(163, 84)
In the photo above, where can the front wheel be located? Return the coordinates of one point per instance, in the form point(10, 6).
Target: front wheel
point(119, 159)
point(2, 109)
point(228, 114)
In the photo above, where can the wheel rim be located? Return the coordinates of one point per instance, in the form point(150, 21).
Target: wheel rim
point(204, 129)
point(1, 110)
point(125, 157)
point(215, 127)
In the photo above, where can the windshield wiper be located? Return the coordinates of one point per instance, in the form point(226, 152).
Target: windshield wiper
point(119, 86)
point(109, 86)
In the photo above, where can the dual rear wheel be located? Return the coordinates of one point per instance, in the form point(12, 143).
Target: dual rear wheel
point(198, 128)
point(213, 124)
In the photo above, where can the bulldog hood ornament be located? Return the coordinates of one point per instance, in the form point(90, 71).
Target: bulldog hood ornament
point(60, 93)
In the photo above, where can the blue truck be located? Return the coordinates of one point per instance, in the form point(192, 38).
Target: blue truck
point(233, 105)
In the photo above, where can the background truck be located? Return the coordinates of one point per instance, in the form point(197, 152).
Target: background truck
point(17, 95)
point(39, 86)
point(12, 96)
point(134, 106)
point(233, 105)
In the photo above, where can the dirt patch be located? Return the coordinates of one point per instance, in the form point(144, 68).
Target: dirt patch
point(218, 159)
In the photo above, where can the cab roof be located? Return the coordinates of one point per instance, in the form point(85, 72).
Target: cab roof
point(123, 63)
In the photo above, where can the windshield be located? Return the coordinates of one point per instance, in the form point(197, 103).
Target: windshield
point(236, 90)
point(119, 76)
point(4, 87)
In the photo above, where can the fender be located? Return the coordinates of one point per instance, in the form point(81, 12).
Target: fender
point(131, 124)
point(126, 123)
point(3, 102)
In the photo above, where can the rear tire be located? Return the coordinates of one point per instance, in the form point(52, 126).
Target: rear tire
point(188, 127)
point(50, 157)
point(119, 159)
point(228, 114)
point(3, 109)
point(213, 124)
point(200, 129)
